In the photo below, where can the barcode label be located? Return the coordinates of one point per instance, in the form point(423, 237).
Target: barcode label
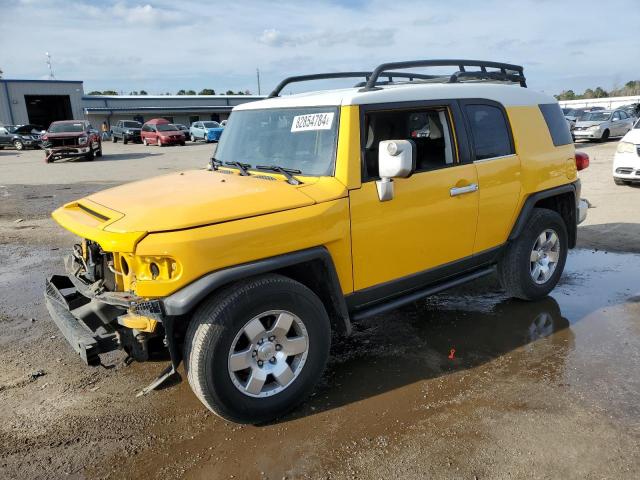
point(313, 121)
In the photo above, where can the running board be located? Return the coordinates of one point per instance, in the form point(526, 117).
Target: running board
point(418, 294)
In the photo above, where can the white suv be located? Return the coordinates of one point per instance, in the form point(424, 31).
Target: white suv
point(626, 162)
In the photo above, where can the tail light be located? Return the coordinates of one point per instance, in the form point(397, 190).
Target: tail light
point(582, 160)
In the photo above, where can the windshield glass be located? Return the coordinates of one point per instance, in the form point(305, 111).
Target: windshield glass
point(211, 124)
point(66, 128)
point(131, 125)
point(596, 117)
point(166, 127)
point(297, 138)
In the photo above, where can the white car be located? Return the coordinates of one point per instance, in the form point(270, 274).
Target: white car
point(626, 162)
point(600, 125)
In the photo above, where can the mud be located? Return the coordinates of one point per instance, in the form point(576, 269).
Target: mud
point(461, 385)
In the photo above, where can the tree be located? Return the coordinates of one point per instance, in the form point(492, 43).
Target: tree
point(95, 92)
point(588, 93)
point(143, 92)
point(600, 93)
point(133, 93)
point(229, 92)
point(109, 92)
point(181, 92)
point(191, 92)
point(567, 95)
point(207, 91)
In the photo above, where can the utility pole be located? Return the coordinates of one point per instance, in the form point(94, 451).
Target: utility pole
point(258, 75)
point(51, 75)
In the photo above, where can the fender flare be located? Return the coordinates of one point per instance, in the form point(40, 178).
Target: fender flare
point(186, 299)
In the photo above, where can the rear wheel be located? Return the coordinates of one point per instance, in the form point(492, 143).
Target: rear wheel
point(114, 139)
point(256, 349)
point(18, 145)
point(533, 263)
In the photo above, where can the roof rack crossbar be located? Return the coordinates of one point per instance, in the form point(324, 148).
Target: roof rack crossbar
point(497, 76)
point(332, 75)
point(517, 75)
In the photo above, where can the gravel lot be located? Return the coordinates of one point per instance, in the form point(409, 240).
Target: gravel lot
point(534, 390)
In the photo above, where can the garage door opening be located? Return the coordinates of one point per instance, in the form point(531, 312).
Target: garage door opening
point(44, 109)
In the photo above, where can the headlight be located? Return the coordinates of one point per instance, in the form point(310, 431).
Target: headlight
point(82, 140)
point(594, 128)
point(626, 147)
point(129, 132)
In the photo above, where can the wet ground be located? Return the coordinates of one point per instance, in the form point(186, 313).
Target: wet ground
point(461, 385)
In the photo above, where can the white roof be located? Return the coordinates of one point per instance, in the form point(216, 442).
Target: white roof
point(506, 94)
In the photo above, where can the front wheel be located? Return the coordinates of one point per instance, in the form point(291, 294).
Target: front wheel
point(114, 139)
point(619, 181)
point(18, 145)
point(144, 142)
point(256, 349)
point(89, 156)
point(193, 139)
point(533, 263)
point(125, 140)
point(605, 136)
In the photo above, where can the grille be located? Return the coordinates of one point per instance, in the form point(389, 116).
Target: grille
point(63, 142)
point(624, 171)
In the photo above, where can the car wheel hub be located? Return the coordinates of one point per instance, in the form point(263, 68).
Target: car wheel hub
point(544, 256)
point(268, 353)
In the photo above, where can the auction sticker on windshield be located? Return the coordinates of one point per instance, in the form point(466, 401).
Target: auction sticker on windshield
point(312, 121)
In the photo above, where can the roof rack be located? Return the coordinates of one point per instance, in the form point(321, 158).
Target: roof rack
point(322, 76)
point(506, 72)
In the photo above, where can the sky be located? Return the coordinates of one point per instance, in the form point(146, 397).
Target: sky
point(167, 45)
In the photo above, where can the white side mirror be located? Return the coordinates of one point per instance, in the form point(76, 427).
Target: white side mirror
point(396, 159)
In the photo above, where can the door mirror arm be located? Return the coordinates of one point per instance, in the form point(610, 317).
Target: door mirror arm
point(396, 159)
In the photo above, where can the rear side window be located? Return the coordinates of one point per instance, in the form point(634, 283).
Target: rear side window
point(490, 131)
point(557, 124)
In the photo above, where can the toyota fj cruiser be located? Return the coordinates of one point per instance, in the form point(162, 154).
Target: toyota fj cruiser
point(320, 209)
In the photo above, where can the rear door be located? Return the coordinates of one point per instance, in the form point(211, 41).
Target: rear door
point(498, 170)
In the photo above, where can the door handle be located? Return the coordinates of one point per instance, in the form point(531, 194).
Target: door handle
point(455, 191)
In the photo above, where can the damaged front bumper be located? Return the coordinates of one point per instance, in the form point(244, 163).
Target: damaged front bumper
point(89, 317)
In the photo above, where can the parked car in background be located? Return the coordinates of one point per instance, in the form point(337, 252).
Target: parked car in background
point(626, 162)
point(603, 124)
point(633, 110)
point(126, 130)
point(184, 129)
point(71, 138)
point(159, 131)
point(223, 123)
point(20, 137)
point(209, 131)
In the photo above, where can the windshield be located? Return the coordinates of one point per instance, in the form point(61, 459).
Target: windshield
point(597, 117)
point(166, 127)
point(66, 128)
point(131, 125)
point(211, 124)
point(297, 138)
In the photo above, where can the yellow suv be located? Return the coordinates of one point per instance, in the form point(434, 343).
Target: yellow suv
point(319, 209)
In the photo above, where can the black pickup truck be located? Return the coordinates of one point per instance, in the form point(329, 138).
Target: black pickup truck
point(126, 130)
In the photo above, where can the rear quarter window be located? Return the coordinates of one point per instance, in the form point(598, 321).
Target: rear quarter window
point(490, 131)
point(557, 124)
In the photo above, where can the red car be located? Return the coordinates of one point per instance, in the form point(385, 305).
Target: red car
point(160, 132)
point(71, 138)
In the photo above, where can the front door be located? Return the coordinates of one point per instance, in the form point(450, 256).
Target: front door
point(431, 221)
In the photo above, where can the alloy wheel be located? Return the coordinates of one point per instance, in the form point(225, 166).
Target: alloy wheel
point(544, 256)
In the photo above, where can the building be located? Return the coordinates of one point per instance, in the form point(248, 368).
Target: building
point(608, 103)
point(41, 102)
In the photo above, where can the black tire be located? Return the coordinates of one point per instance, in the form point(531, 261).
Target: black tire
point(605, 136)
point(125, 140)
point(18, 145)
point(99, 152)
point(514, 269)
point(214, 327)
point(193, 139)
point(89, 156)
point(114, 139)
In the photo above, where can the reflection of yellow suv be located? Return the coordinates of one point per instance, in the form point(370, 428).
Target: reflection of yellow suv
point(320, 209)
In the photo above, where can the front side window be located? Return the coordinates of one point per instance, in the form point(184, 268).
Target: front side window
point(427, 128)
point(301, 139)
point(489, 131)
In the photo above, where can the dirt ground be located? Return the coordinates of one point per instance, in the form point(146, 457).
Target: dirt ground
point(464, 385)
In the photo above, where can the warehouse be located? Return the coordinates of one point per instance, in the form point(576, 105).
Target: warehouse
point(41, 102)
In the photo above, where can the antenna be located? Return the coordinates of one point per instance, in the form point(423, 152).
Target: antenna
point(51, 75)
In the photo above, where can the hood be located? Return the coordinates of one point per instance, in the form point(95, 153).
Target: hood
point(632, 136)
point(217, 129)
point(196, 198)
point(64, 134)
point(589, 123)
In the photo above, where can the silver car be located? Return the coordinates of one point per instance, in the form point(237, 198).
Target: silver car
point(602, 124)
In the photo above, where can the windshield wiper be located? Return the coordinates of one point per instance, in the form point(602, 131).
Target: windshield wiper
point(243, 167)
point(287, 172)
point(214, 163)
